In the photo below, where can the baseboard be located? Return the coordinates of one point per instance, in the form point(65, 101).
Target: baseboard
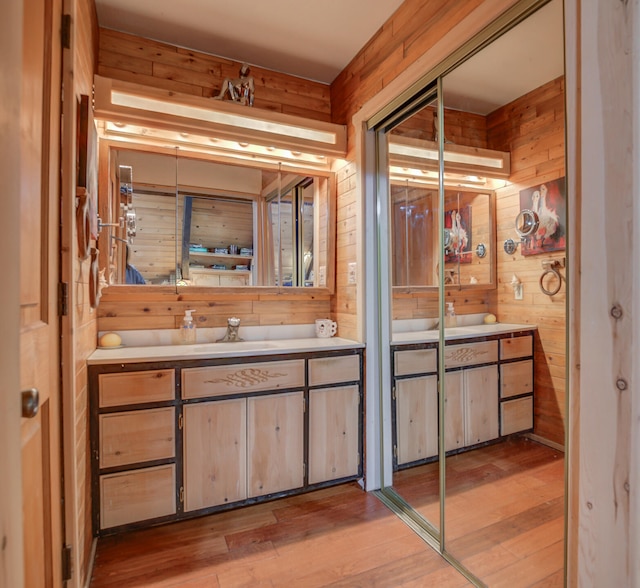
point(544, 441)
point(92, 559)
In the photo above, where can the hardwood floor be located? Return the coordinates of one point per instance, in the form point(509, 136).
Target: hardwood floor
point(505, 521)
point(338, 536)
point(504, 511)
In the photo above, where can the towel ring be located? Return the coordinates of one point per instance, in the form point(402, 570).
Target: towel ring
point(554, 272)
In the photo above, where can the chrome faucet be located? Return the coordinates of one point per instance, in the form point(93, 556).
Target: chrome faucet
point(233, 325)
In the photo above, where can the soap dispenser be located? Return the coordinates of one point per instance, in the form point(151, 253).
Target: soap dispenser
point(188, 330)
point(450, 319)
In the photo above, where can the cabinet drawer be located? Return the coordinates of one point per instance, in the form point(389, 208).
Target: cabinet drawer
point(470, 354)
point(137, 495)
point(415, 361)
point(516, 347)
point(516, 415)
point(516, 378)
point(241, 378)
point(136, 387)
point(331, 370)
point(136, 436)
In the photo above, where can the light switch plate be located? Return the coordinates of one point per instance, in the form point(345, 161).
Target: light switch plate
point(351, 276)
point(518, 291)
point(322, 276)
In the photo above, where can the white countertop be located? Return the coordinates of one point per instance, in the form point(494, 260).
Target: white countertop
point(130, 354)
point(466, 332)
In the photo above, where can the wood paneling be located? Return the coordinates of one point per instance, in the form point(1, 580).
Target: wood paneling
point(126, 307)
point(532, 128)
point(79, 328)
point(410, 33)
point(344, 306)
point(135, 59)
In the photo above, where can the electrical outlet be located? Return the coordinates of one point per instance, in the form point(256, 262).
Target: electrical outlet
point(351, 275)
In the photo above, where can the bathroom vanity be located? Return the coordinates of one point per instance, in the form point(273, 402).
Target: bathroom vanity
point(181, 431)
point(488, 389)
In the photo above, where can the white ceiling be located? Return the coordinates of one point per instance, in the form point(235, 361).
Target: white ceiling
point(313, 39)
point(316, 39)
point(526, 57)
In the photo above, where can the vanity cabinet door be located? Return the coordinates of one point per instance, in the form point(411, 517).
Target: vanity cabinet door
point(416, 418)
point(333, 433)
point(275, 443)
point(471, 406)
point(481, 404)
point(454, 411)
point(215, 453)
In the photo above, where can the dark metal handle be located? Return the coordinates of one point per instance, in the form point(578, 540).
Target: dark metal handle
point(30, 403)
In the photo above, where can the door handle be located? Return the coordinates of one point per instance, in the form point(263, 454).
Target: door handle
point(30, 403)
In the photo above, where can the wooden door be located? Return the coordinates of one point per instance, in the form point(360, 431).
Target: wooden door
point(333, 433)
point(215, 453)
point(275, 449)
point(481, 404)
point(39, 364)
point(417, 418)
point(11, 568)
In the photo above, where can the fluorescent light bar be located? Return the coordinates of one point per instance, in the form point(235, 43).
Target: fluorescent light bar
point(432, 154)
point(202, 144)
point(196, 113)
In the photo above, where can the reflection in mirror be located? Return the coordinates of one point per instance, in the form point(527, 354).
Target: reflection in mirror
point(503, 486)
point(469, 223)
point(291, 220)
point(145, 188)
point(216, 241)
point(509, 96)
point(207, 224)
point(415, 250)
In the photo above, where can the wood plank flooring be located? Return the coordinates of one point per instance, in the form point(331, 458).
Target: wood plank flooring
point(338, 536)
point(342, 536)
point(504, 510)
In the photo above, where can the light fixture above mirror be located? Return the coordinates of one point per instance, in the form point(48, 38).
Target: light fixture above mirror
point(127, 111)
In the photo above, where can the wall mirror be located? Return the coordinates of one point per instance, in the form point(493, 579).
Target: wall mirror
point(203, 223)
point(454, 461)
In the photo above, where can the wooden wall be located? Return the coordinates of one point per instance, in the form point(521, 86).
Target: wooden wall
point(128, 308)
point(80, 330)
point(411, 32)
point(532, 129)
point(151, 63)
point(344, 305)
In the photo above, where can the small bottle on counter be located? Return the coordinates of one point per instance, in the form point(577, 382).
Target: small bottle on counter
point(188, 329)
point(450, 319)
